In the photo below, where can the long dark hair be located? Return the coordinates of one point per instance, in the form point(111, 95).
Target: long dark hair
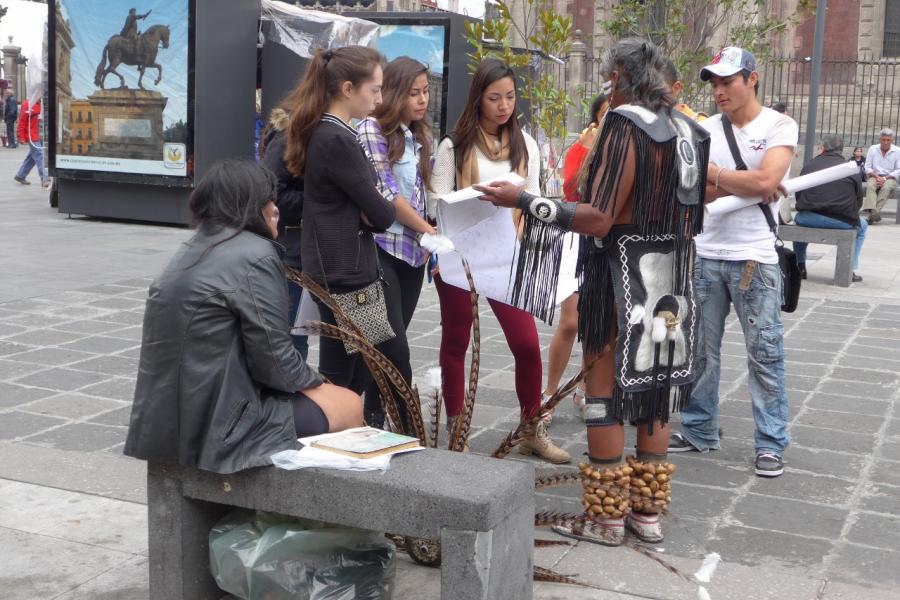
point(466, 130)
point(640, 65)
point(233, 194)
point(399, 76)
point(326, 73)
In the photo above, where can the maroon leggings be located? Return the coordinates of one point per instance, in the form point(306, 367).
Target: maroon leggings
point(521, 336)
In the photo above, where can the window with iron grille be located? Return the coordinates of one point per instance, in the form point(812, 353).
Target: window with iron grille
point(891, 28)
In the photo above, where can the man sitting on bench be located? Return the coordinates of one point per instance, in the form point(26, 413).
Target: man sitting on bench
point(883, 171)
point(833, 205)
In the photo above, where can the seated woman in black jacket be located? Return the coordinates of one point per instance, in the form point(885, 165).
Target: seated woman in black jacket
point(220, 385)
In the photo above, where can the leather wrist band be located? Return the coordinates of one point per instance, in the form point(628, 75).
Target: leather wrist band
point(547, 210)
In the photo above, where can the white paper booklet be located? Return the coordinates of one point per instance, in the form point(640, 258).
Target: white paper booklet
point(469, 193)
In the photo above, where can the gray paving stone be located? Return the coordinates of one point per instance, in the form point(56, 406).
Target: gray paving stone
point(30, 305)
point(85, 437)
point(44, 337)
point(16, 424)
point(51, 356)
point(128, 317)
point(856, 389)
point(883, 378)
point(107, 289)
point(62, 379)
point(889, 450)
point(10, 369)
point(91, 326)
point(120, 416)
point(885, 472)
point(12, 394)
point(78, 312)
point(881, 499)
point(863, 351)
point(823, 489)
point(117, 388)
point(838, 464)
point(699, 502)
point(881, 531)
point(757, 547)
point(875, 569)
point(128, 333)
point(801, 383)
point(73, 406)
point(110, 365)
point(10, 329)
point(101, 344)
point(8, 348)
point(847, 404)
point(831, 439)
point(118, 303)
point(790, 516)
point(706, 470)
point(840, 420)
point(34, 320)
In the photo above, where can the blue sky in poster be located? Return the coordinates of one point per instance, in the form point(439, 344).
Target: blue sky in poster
point(93, 22)
point(422, 42)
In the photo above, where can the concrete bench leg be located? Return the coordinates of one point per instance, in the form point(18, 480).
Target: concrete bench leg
point(179, 540)
point(843, 266)
point(492, 565)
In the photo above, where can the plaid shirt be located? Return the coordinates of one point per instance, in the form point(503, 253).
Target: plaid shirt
point(399, 241)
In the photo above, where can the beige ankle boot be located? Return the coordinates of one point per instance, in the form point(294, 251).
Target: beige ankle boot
point(537, 442)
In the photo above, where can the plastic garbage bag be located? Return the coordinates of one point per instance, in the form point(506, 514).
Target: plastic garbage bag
point(256, 556)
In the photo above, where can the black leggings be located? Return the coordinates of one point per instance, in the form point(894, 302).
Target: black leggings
point(309, 418)
point(403, 284)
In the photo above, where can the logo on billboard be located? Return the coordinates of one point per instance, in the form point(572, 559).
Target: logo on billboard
point(174, 155)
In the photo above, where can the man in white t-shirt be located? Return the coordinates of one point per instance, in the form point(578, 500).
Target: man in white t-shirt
point(737, 263)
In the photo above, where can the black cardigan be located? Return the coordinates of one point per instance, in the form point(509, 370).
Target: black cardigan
point(289, 200)
point(340, 184)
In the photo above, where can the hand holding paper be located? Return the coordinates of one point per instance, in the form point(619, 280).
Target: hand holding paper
point(797, 184)
point(470, 193)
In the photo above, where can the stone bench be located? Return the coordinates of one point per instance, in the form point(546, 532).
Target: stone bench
point(481, 509)
point(844, 239)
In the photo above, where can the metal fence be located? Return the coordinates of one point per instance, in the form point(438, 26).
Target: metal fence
point(857, 98)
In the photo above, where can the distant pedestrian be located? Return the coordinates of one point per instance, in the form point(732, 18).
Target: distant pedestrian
point(10, 115)
point(30, 133)
point(882, 171)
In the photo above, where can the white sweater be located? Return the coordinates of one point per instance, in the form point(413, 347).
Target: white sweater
point(443, 176)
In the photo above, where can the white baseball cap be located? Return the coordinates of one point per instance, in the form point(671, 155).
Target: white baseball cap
point(729, 61)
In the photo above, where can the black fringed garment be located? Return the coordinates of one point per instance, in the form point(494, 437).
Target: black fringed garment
point(641, 268)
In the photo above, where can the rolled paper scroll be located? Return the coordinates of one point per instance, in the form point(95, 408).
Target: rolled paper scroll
point(728, 204)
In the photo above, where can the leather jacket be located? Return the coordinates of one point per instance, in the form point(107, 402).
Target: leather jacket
point(217, 364)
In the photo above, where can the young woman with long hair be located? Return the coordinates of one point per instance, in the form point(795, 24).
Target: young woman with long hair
point(398, 138)
point(486, 143)
point(342, 204)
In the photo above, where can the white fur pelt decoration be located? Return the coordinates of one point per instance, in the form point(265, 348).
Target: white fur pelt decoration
point(656, 273)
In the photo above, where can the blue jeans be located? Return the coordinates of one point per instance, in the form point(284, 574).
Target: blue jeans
point(35, 158)
point(807, 218)
point(301, 342)
point(758, 308)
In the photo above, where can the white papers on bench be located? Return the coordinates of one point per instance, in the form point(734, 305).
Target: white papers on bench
point(728, 204)
point(308, 456)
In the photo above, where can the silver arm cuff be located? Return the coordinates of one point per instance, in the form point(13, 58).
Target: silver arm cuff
point(548, 210)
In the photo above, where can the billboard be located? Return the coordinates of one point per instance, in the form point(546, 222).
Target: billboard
point(425, 43)
point(122, 87)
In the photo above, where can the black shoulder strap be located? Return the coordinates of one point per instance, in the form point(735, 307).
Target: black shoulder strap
point(740, 165)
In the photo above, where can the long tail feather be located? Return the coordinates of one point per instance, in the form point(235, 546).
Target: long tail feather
point(409, 396)
point(550, 543)
point(546, 575)
point(460, 434)
point(437, 401)
point(558, 479)
point(550, 518)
